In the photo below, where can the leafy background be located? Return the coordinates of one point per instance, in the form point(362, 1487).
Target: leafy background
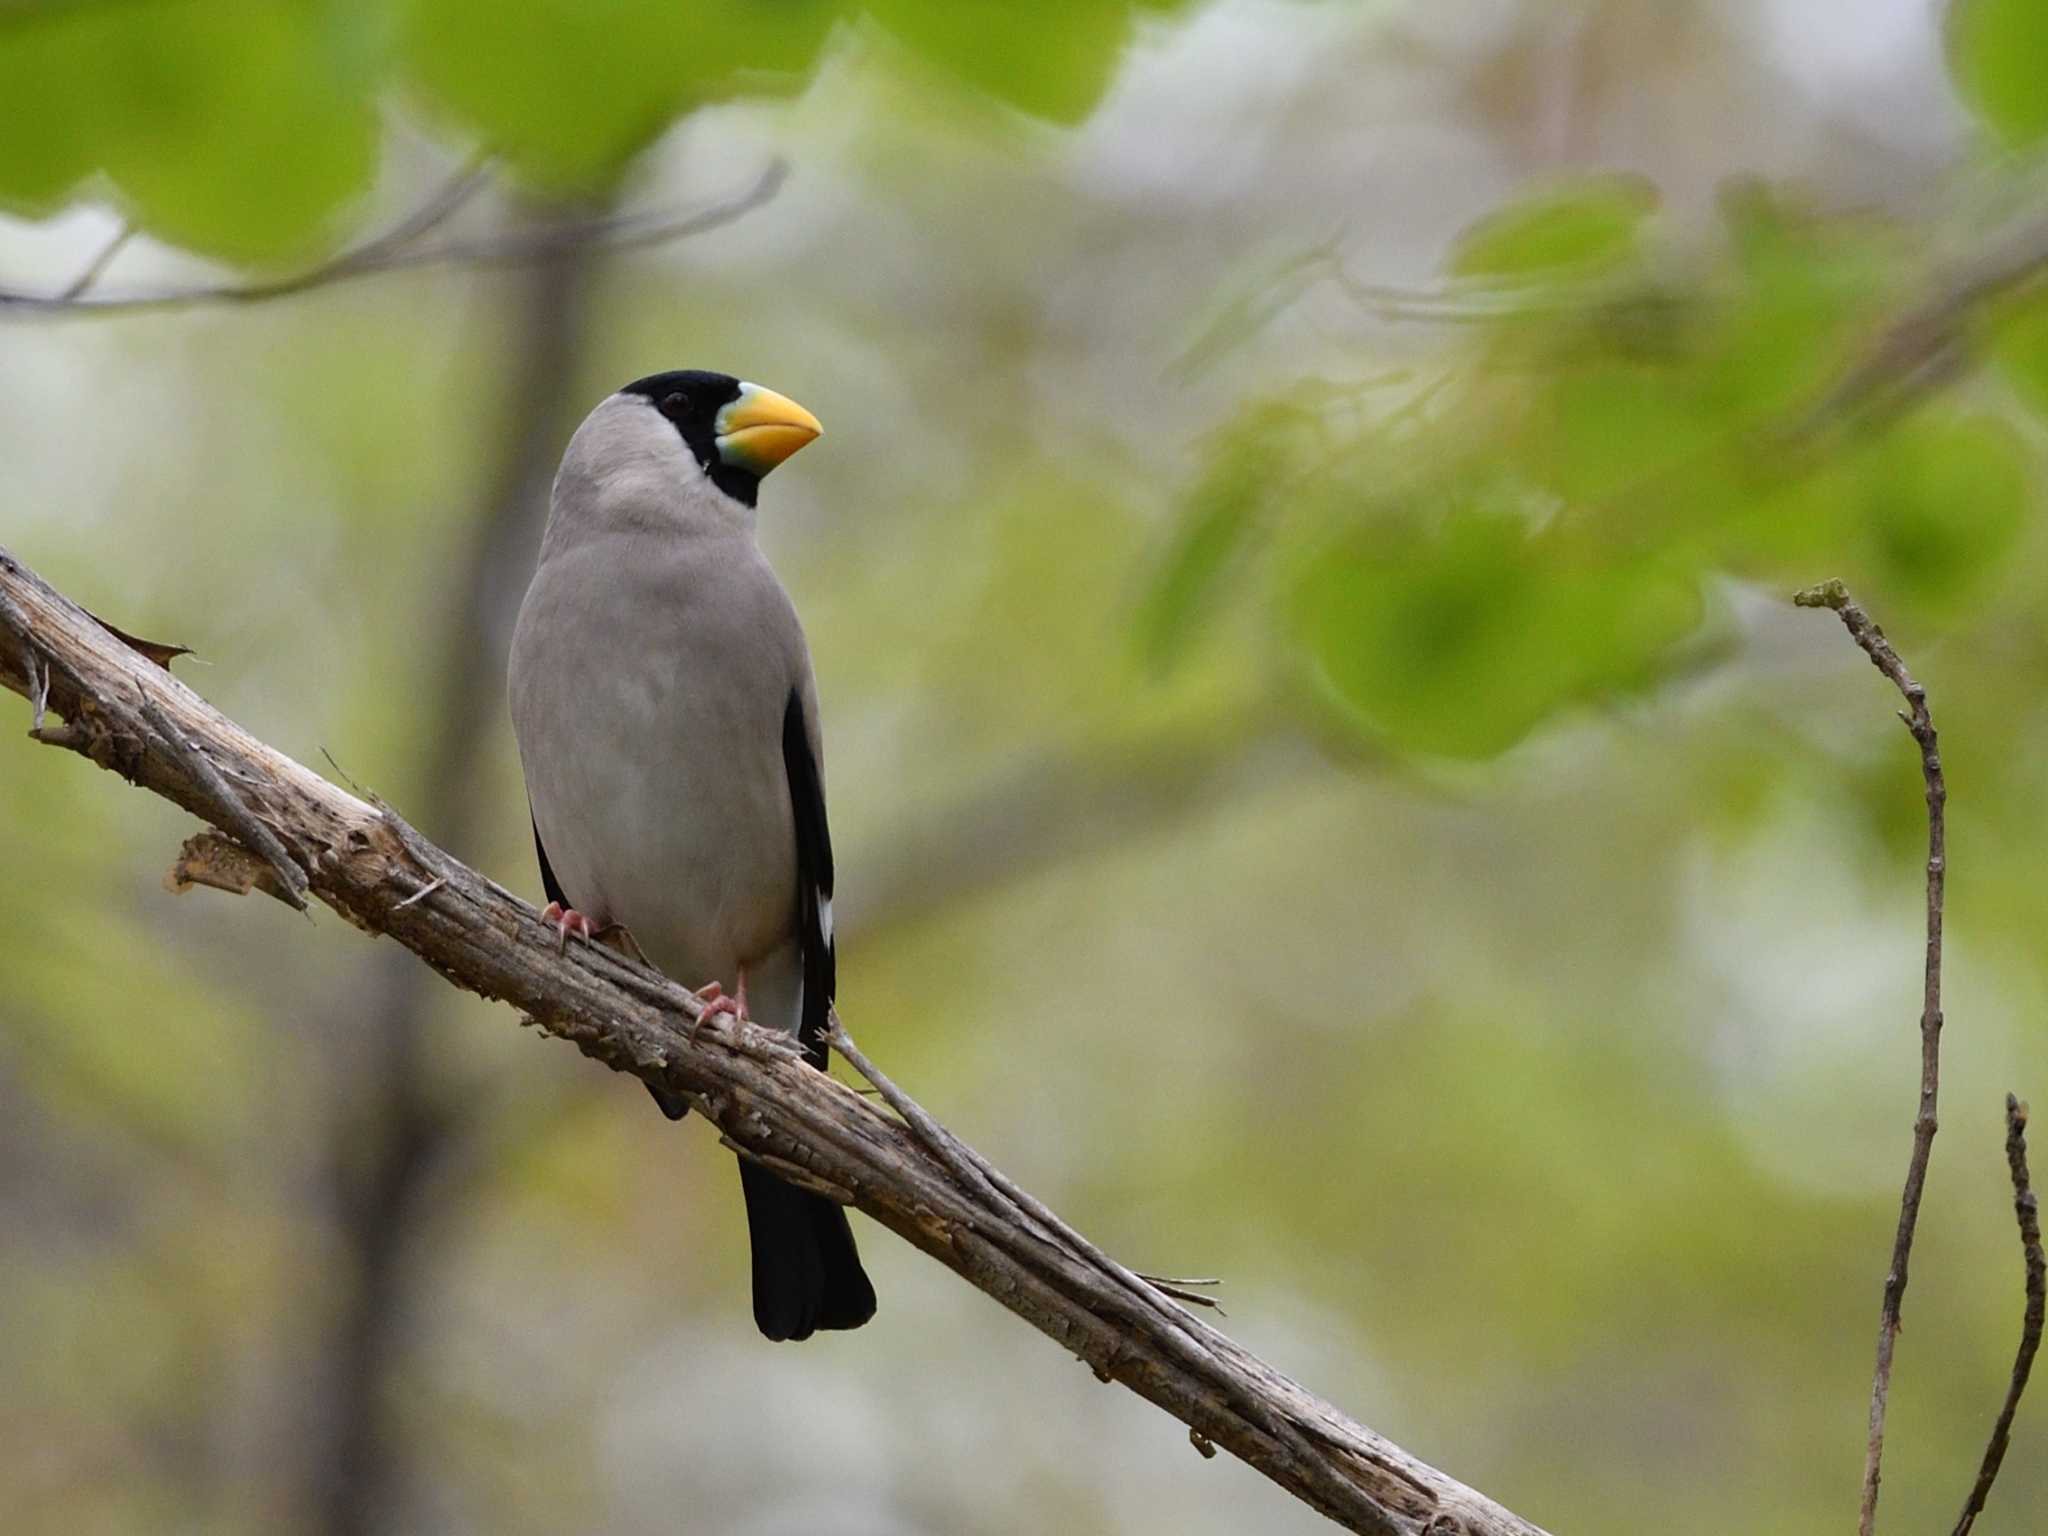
point(1331, 792)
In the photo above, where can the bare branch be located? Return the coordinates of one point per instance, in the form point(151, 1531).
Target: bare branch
point(364, 862)
point(1867, 635)
point(1927, 344)
point(2028, 1210)
point(454, 195)
point(400, 248)
point(95, 269)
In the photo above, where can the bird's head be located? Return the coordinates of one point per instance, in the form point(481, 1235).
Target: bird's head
point(737, 432)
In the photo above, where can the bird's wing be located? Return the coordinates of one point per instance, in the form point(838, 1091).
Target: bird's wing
point(813, 874)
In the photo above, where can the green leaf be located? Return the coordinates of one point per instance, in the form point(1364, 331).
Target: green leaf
point(568, 91)
point(1944, 498)
point(1211, 535)
point(1621, 428)
point(51, 137)
point(1573, 230)
point(1052, 58)
point(1998, 58)
point(1801, 286)
point(234, 128)
point(2016, 335)
point(1458, 641)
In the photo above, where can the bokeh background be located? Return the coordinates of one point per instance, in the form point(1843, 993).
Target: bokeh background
point(1330, 790)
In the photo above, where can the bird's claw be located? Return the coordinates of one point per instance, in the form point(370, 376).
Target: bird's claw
point(567, 920)
point(717, 1004)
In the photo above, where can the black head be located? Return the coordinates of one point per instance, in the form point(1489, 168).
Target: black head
point(737, 431)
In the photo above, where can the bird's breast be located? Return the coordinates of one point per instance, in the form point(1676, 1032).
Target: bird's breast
point(648, 705)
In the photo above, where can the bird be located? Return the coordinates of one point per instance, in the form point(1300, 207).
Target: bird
point(666, 715)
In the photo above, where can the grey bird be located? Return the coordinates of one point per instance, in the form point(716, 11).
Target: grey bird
point(667, 720)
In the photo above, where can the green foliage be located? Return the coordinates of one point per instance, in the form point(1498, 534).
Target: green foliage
point(1998, 57)
point(1578, 229)
point(1222, 513)
point(1799, 288)
point(1534, 534)
point(1459, 637)
point(1051, 60)
point(235, 127)
point(568, 92)
point(1941, 501)
point(244, 129)
point(2015, 335)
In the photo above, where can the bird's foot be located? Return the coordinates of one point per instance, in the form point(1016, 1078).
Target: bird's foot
point(567, 920)
point(719, 1004)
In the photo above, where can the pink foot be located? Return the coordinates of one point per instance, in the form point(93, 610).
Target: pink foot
point(567, 920)
point(718, 1004)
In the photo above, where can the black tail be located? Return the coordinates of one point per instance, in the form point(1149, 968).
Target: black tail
point(806, 1273)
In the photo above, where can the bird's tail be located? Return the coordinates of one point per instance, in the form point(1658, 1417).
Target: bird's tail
point(807, 1274)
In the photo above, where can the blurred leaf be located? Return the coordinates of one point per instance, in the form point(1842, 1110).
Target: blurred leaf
point(1944, 497)
point(234, 128)
point(1998, 58)
point(1459, 640)
point(51, 134)
point(569, 92)
point(1262, 453)
point(1801, 282)
point(1575, 229)
point(1777, 528)
point(2016, 335)
point(1617, 427)
point(1054, 60)
point(1207, 544)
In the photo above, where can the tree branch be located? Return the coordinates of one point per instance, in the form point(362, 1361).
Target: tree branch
point(1927, 344)
point(1834, 595)
point(399, 248)
point(2028, 1210)
point(366, 863)
point(95, 269)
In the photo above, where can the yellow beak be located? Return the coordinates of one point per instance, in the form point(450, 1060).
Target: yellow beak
point(761, 429)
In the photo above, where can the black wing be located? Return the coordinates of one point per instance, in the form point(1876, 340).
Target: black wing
point(813, 877)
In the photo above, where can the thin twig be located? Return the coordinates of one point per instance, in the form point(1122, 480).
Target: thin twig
point(1927, 343)
point(936, 1138)
point(1833, 594)
point(398, 249)
point(454, 195)
point(421, 894)
point(97, 267)
point(1179, 1290)
point(2028, 1210)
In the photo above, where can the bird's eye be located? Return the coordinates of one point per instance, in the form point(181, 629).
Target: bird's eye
point(675, 405)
